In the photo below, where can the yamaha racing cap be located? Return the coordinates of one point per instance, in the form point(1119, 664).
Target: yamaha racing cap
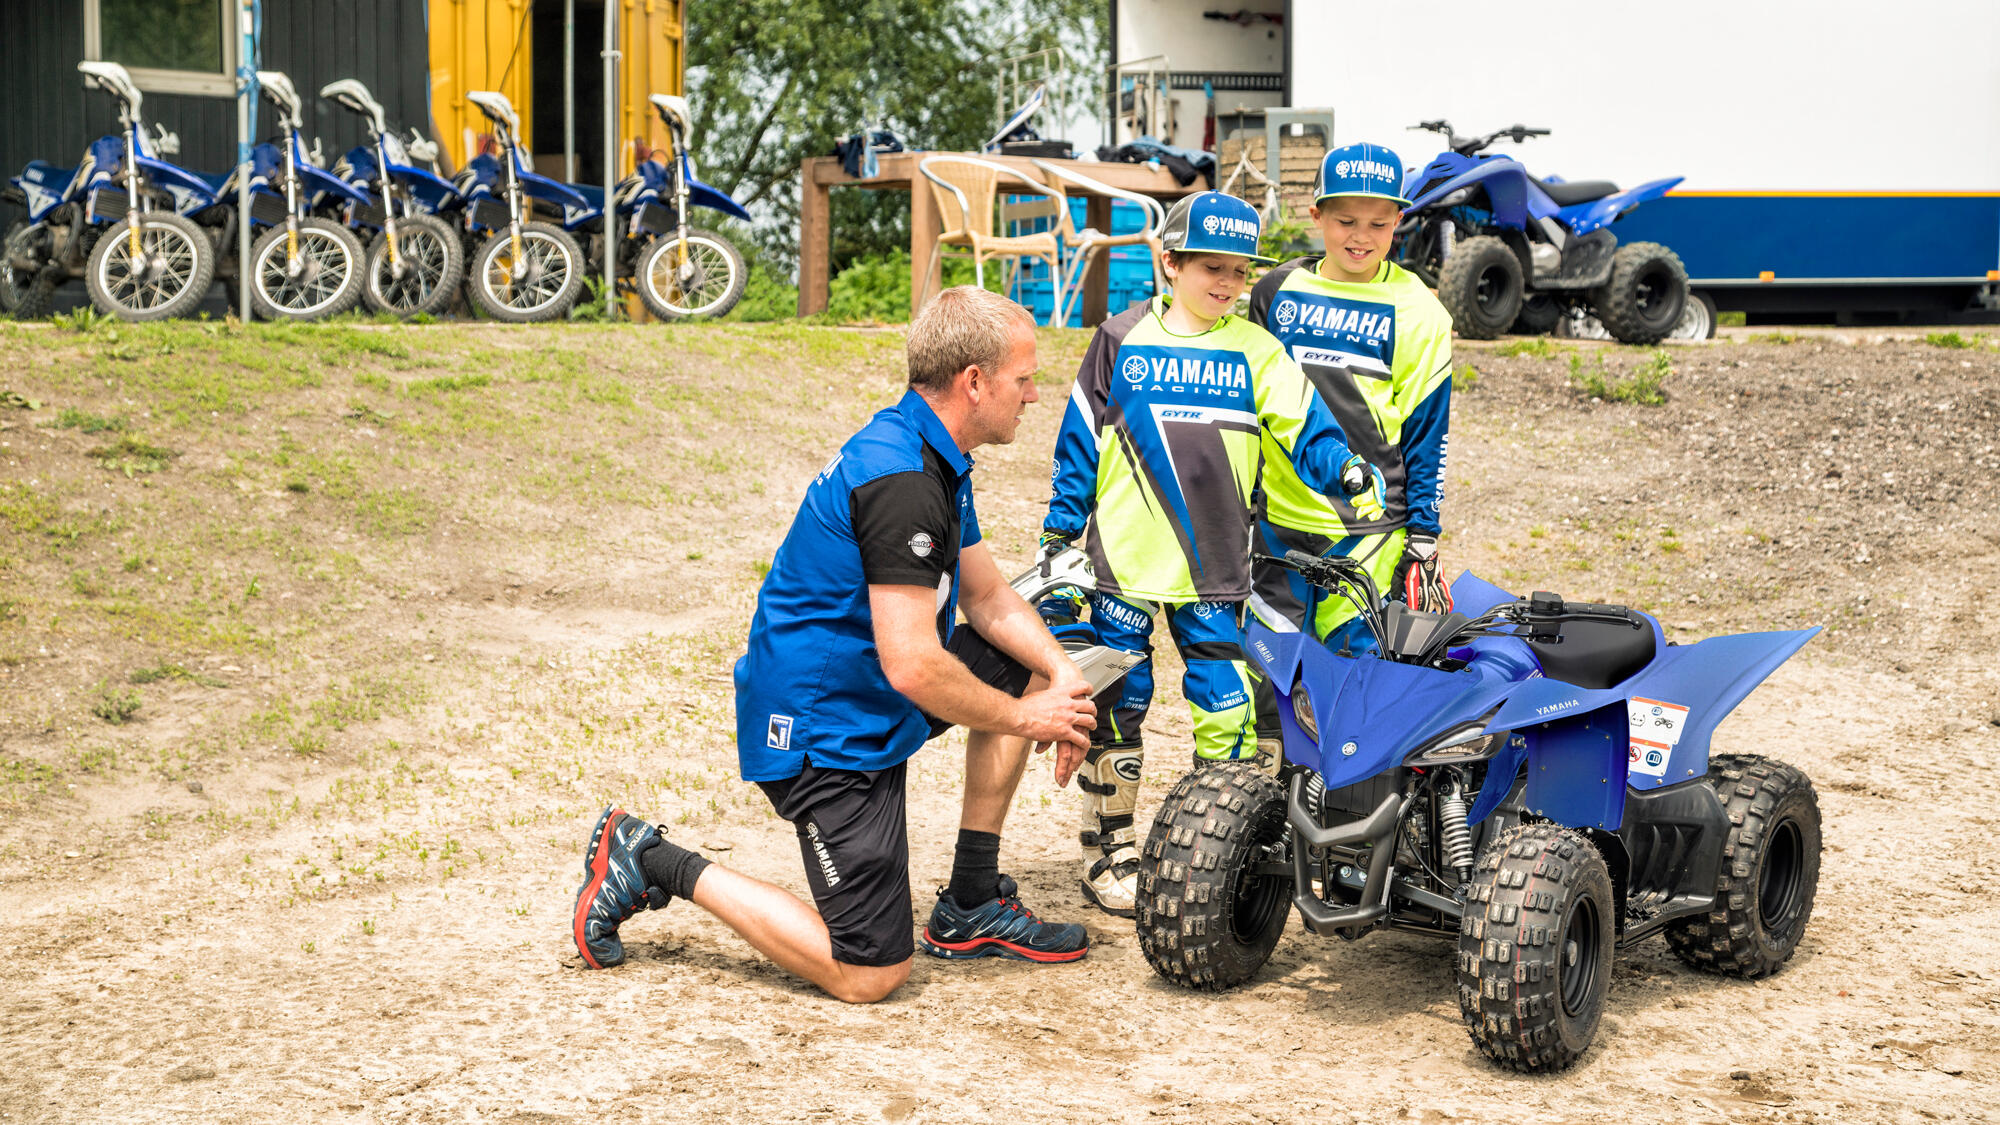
point(1369, 171)
point(1213, 223)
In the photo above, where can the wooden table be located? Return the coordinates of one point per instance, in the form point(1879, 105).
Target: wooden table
point(896, 171)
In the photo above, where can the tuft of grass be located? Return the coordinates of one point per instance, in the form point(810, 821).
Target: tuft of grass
point(1541, 347)
point(71, 418)
point(115, 706)
point(83, 318)
point(1464, 377)
point(1948, 340)
point(132, 456)
point(1779, 337)
point(19, 401)
point(164, 671)
point(1644, 387)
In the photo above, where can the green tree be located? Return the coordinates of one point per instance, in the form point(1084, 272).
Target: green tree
point(775, 81)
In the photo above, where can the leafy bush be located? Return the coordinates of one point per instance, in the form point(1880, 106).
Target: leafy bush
point(767, 295)
point(878, 288)
point(114, 706)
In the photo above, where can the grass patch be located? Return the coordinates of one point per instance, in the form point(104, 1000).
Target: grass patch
point(163, 671)
point(1949, 340)
point(115, 705)
point(1540, 347)
point(1776, 338)
point(132, 456)
point(70, 418)
point(1464, 377)
point(1643, 387)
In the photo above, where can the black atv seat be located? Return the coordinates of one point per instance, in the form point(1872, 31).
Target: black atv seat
point(1576, 191)
point(1596, 654)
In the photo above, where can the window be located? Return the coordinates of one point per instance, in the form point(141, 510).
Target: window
point(170, 46)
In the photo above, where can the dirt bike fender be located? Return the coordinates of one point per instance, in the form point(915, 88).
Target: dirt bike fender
point(430, 189)
point(190, 191)
point(701, 195)
point(316, 179)
point(1586, 217)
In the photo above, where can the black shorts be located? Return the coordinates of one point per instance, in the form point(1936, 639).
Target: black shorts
point(853, 832)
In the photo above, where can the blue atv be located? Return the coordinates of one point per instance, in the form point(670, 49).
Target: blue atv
point(1528, 776)
point(1507, 250)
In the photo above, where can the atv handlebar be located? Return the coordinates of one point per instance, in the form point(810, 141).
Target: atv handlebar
point(1466, 146)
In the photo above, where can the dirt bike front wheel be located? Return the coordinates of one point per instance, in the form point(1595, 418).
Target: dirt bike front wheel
point(168, 278)
point(433, 267)
point(321, 278)
point(707, 281)
point(540, 284)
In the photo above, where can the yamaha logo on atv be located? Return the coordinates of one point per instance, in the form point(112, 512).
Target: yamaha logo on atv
point(921, 544)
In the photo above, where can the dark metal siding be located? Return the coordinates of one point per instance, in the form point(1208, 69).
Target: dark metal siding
point(46, 114)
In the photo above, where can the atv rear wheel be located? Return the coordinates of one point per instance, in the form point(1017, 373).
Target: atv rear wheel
point(1769, 874)
point(1535, 947)
point(1206, 919)
point(1481, 286)
point(1539, 315)
point(1643, 298)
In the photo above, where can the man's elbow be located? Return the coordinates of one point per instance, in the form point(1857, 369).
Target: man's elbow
point(907, 675)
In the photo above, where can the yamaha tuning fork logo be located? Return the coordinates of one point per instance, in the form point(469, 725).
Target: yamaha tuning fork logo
point(1135, 370)
point(1286, 312)
point(1212, 223)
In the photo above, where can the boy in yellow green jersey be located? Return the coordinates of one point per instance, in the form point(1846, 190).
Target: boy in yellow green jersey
point(1156, 469)
point(1376, 346)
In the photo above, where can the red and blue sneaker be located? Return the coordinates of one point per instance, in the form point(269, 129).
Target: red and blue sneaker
point(1000, 928)
point(614, 886)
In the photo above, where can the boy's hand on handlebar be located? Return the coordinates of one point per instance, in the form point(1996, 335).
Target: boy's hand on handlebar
point(1418, 575)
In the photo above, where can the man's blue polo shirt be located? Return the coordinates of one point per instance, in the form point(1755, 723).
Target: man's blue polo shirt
point(894, 507)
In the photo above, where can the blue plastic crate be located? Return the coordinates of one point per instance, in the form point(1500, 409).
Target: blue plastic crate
point(1131, 278)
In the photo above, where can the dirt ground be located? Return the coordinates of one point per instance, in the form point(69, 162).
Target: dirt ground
point(399, 611)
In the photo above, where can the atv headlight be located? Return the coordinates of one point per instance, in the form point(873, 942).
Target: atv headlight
point(1302, 710)
point(1466, 743)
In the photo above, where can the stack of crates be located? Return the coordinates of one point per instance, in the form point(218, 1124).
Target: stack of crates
point(1131, 268)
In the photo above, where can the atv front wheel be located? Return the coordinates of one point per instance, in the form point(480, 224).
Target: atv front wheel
point(1207, 919)
point(1642, 299)
point(1769, 874)
point(1481, 286)
point(1535, 947)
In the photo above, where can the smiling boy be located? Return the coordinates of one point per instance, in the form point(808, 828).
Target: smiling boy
point(1156, 466)
point(1376, 345)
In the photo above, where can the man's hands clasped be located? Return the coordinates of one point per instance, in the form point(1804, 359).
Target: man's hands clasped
point(1061, 715)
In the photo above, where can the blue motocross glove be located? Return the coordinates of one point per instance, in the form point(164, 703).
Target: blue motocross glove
point(1417, 576)
point(1365, 489)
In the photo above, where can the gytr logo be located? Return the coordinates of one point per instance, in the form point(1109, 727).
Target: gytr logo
point(1286, 312)
point(1374, 168)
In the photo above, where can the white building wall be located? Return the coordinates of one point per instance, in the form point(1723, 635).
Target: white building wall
point(1742, 95)
point(1176, 29)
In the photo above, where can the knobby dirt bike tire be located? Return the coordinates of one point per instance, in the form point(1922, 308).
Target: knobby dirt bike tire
point(332, 247)
point(380, 290)
point(716, 252)
point(1769, 873)
point(167, 233)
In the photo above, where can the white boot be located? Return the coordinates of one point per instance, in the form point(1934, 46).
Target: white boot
point(1109, 779)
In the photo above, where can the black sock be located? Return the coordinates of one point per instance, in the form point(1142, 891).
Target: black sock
point(975, 868)
point(673, 868)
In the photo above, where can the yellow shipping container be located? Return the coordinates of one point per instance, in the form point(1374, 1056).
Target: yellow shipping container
point(488, 45)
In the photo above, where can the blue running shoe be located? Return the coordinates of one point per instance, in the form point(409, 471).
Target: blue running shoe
point(614, 887)
point(1001, 928)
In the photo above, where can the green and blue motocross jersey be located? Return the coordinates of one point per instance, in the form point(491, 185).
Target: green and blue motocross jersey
point(1158, 457)
point(1379, 354)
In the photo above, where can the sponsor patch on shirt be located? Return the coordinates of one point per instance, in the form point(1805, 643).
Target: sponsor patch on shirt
point(778, 734)
point(1359, 335)
point(921, 544)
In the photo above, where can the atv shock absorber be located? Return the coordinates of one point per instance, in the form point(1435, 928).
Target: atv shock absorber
point(1454, 837)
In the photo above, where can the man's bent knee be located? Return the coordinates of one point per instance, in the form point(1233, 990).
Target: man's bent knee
point(866, 984)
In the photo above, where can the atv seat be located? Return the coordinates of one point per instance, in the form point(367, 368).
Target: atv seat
point(1596, 654)
point(1576, 191)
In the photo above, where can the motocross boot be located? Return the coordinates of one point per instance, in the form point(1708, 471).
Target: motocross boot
point(1109, 779)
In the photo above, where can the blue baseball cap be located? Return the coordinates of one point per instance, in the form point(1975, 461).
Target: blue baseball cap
point(1364, 170)
point(1213, 223)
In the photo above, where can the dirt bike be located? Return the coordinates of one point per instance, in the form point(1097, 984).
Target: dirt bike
point(112, 221)
point(1507, 250)
point(1528, 777)
point(416, 261)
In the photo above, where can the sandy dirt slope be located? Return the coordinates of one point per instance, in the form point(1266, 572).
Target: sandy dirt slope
point(373, 929)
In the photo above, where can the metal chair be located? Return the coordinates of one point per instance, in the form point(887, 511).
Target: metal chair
point(1086, 243)
point(966, 188)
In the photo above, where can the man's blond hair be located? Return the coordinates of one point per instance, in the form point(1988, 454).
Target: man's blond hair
point(964, 326)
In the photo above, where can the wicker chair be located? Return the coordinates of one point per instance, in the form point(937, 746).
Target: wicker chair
point(966, 189)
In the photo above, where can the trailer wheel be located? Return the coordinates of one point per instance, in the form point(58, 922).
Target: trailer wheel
point(1481, 286)
point(1641, 302)
point(1697, 320)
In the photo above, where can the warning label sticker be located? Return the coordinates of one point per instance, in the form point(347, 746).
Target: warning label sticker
point(1656, 730)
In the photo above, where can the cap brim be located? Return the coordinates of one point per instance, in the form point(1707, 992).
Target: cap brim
point(1224, 253)
point(1399, 201)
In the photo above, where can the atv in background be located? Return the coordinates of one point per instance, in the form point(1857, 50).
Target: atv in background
point(1508, 251)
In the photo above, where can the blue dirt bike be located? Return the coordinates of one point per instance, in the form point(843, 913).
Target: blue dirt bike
point(116, 220)
point(678, 270)
point(1529, 776)
point(1507, 250)
point(415, 260)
